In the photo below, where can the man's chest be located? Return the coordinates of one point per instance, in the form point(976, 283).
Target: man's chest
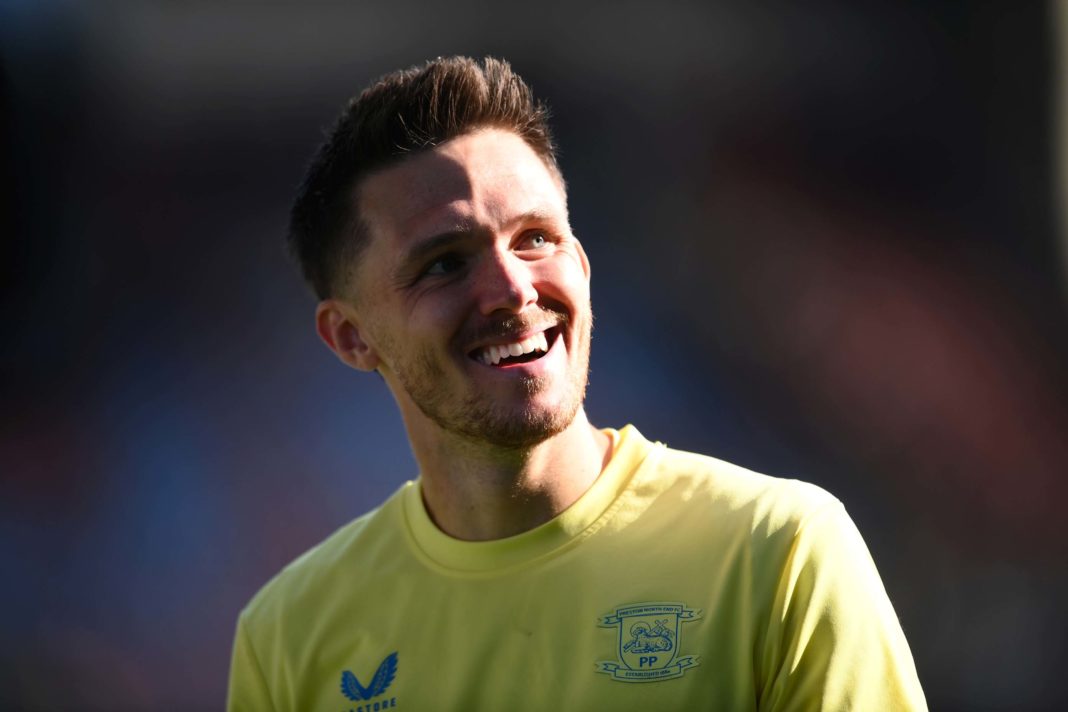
point(570, 637)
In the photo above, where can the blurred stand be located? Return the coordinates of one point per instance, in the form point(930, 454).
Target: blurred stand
point(825, 245)
point(1059, 17)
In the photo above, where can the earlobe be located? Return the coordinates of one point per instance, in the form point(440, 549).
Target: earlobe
point(339, 328)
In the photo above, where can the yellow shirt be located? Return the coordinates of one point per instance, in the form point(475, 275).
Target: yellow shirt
point(677, 582)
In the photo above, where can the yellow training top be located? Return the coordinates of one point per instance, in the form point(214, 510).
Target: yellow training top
point(677, 582)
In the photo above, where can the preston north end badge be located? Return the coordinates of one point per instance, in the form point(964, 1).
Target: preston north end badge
point(649, 641)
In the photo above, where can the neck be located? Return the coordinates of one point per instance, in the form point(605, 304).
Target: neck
point(477, 492)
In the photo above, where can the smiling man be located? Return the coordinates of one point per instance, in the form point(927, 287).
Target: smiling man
point(537, 562)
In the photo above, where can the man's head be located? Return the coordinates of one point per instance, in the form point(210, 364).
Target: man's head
point(400, 115)
point(468, 291)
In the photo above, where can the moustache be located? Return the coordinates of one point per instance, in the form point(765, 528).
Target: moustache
point(513, 325)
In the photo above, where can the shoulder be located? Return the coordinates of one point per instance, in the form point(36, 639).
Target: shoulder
point(327, 567)
point(767, 504)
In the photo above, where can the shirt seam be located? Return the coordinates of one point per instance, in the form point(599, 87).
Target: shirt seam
point(775, 609)
point(256, 664)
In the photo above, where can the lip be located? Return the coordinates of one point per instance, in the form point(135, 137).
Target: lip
point(511, 339)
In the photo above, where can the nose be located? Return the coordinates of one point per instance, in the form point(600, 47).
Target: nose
point(505, 283)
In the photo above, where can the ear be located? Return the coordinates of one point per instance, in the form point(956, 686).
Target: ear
point(338, 327)
point(583, 258)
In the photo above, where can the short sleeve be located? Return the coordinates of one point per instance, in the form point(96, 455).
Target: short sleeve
point(833, 641)
point(248, 690)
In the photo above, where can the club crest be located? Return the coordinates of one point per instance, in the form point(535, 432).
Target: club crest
point(648, 642)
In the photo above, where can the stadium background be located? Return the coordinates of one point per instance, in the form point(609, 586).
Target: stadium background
point(825, 241)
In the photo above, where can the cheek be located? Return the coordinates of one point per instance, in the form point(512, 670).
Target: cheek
point(438, 315)
point(564, 278)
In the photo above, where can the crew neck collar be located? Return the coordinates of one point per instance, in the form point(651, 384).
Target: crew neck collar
point(630, 452)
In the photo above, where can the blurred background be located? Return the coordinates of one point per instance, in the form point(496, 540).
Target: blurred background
point(826, 240)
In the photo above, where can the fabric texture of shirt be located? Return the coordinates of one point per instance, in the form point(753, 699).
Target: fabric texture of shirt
point(677, 582)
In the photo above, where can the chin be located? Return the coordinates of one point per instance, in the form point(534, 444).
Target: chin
point(519, 426)
point(523, 431)
point(519, 415)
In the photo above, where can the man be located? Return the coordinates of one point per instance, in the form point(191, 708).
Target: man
point(537, 562)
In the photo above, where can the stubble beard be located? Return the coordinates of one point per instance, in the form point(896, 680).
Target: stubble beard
point(474, 417)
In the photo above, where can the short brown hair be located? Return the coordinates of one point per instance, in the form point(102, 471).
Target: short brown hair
point(402, 113)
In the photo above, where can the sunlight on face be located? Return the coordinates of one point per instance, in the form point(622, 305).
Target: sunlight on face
point(475, 292)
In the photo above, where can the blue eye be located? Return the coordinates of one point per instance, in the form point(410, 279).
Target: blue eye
point(535, 241)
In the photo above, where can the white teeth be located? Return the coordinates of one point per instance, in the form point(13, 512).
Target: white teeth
point(492, 355)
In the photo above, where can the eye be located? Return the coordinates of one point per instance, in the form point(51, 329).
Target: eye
point(534, 241)
point(445, 264)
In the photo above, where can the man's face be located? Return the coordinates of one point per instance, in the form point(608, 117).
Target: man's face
point(473, 294)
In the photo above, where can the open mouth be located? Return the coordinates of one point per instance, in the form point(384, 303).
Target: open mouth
point(510, 354)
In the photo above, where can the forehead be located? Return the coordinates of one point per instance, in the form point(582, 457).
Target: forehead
point(483, 178)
